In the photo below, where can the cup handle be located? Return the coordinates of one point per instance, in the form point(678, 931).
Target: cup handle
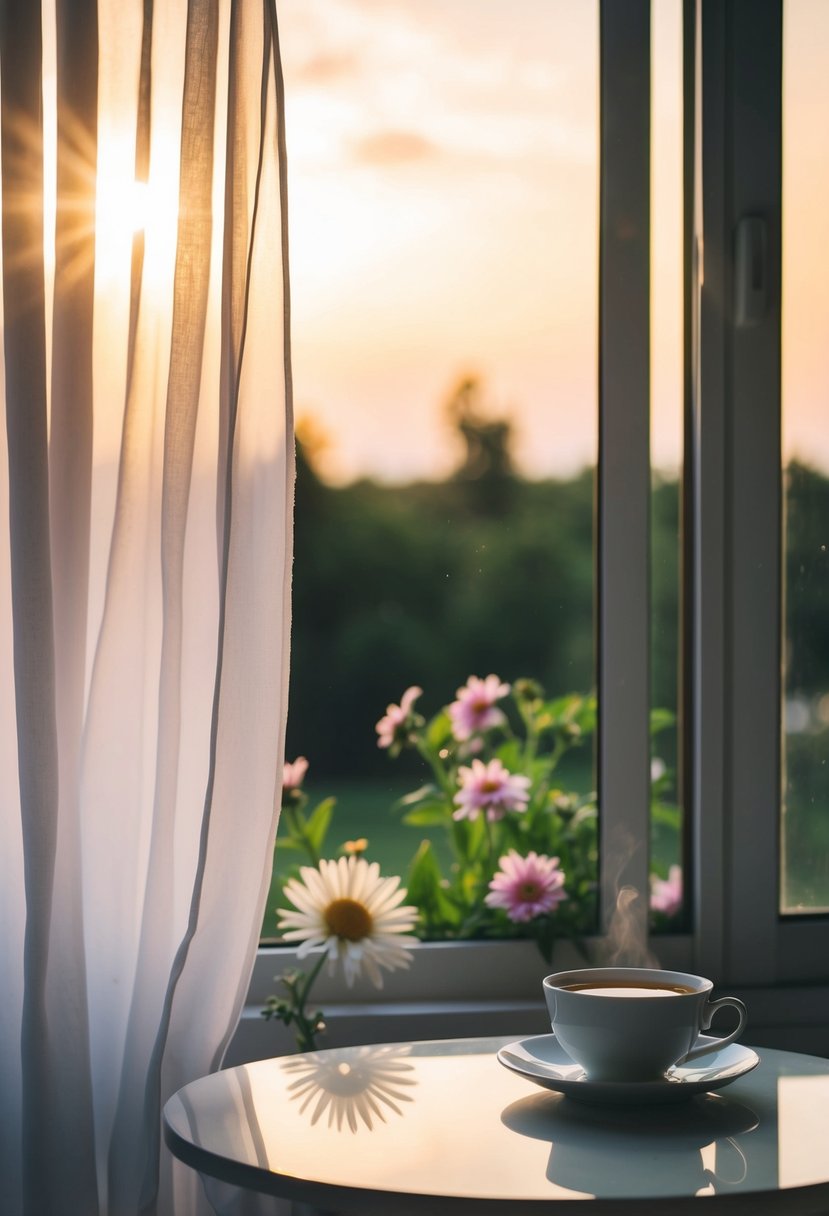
point(707, 1017)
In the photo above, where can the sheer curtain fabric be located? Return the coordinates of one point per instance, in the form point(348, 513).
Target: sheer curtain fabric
point(145, 547)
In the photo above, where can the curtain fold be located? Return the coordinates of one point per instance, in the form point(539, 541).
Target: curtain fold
point(146, 478)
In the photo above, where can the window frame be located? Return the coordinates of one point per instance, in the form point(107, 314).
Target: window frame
point(624, 484)
point(737, 748)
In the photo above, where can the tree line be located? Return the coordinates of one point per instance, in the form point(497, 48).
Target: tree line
point(485, 572)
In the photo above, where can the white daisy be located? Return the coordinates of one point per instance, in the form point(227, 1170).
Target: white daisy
point(348, 910)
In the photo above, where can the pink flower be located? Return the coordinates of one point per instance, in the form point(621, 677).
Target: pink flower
point(492, 788)
point(526, 886)
point(666, 893)
point(392, 728)
point(474, 711)
point(293, 775)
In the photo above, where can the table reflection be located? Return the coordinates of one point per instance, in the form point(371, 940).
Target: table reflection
point(803, 1106)
point(639, 1151)
point(353, 1085)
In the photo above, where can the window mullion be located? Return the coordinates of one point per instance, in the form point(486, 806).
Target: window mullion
point(755, 154)
point(709, 590)
point(624, 464)
point(738, 493)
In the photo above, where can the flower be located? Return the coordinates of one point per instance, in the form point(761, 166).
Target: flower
point(474, 711)
point(293, 775)
point(346, 908)
point(492, 788)
point(658, 769)
point(393, 728)
point(666, 893)
point(526, 886)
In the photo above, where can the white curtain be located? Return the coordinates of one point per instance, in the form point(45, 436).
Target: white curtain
point(145, 549)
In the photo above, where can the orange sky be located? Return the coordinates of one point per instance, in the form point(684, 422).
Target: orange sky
point(444, 221)
point(805, 233)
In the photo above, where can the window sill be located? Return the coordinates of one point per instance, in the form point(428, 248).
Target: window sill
point(450, 989)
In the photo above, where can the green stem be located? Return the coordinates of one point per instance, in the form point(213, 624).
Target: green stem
point(489, 837)
point(304, 1027)
point(297, 829)
point(437, 768)
point(531, 745)
point(559, 748)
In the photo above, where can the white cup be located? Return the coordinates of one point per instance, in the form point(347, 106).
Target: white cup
point(638, 1031)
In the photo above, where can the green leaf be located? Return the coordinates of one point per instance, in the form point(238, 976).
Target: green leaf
point(418, 795)
point(661, 719)
point(509, 753)
point(289, 842)
point(424, 877)
point(426, 889)
point(428, 815)
point(586, 715)
point(572, 712)
point(663, 813)
point(461, 833)
point(318, 821)
point(438, 730)
point(563, 709)
point(586, 813)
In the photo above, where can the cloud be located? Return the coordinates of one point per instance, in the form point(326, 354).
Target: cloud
point(322, 69)
point(393, 148)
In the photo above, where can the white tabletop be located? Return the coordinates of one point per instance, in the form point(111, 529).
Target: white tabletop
point(442, 1127)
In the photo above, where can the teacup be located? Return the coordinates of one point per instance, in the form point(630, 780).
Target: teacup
point(634, 1023)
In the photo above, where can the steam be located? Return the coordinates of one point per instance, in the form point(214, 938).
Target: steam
point(626, 943)
point(627, 934)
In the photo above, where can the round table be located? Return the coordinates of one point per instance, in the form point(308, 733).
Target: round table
point(442, 1127)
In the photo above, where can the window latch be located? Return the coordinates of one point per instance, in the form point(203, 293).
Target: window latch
point(750, 272)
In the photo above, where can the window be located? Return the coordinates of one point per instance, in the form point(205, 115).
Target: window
point(444, 195)
point(749, 743)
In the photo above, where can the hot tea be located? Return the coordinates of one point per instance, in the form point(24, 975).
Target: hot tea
point(629, 988)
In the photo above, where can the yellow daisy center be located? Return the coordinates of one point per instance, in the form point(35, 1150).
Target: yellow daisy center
point(349, 919)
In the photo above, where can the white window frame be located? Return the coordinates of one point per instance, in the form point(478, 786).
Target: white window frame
point(732, 536)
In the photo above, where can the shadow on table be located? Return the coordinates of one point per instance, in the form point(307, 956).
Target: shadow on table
point(637, 1151)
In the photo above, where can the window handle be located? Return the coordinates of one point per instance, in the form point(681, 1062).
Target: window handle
point(750, 271)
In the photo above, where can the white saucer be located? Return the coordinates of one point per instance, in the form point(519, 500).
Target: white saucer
point(544, 1062)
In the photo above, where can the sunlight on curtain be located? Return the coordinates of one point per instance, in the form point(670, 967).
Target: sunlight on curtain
point(145, 548)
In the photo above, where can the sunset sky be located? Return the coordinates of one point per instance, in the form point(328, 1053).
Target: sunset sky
point(444, 221)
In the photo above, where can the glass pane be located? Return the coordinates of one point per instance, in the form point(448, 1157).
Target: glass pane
point(443, 185)
point(805, 391)
point(667, 318)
